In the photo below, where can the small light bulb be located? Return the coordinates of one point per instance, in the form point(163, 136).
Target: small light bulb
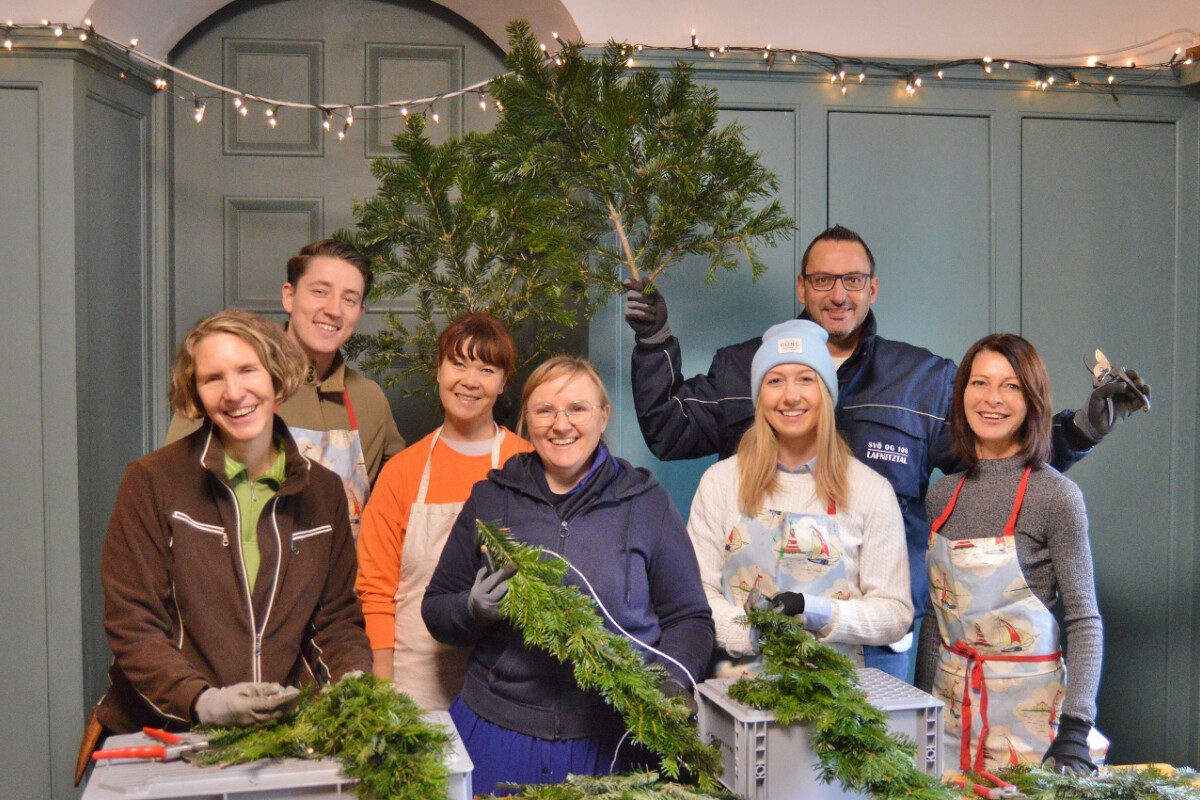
point(941, 74)
point(437, 118)
point(404, 111)
point(58, 30)
point(237, 102)
point(1092, 61)
point(629, 62)
point(133, 42)
point(244, 110)
point(160, 83)
point(917, 81)
point(1007, 64)
point(712, 53)
point(7, 43)
point(272, 122)
point(1111, 78)
point(83, 36)
point(87, 21)
point(482, 104)
point(198, 114)
point(793, 58)
point(843, 88)
point(862, 76)
point(721, 49)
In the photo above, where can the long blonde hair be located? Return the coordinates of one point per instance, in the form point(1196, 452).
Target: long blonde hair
point(758, 460)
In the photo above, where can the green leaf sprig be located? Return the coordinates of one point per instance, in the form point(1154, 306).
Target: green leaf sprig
point(1152, 783)
point(564, 622)
point(377, 733)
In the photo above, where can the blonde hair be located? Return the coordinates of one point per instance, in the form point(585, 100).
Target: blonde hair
point(758, 460)
point(569, 367)
point(283, 359)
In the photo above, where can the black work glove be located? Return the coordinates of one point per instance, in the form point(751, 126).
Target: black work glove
point(490, 587)
point(788, 603)
point(1068, 753)
point(1109, 404)
point(646, 313)
point(671, 687)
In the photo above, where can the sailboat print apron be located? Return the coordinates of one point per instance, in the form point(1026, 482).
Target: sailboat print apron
point(341, 451)
point(784, 551)
point(430, 672)
point(1000, 670)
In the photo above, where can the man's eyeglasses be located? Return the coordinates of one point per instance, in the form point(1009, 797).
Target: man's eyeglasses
point(579, 413)
point(851, 281)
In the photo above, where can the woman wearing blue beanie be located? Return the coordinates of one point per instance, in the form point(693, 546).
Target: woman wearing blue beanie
point(794, 515)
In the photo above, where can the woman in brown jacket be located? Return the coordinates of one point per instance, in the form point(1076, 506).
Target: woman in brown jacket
point(228, 568)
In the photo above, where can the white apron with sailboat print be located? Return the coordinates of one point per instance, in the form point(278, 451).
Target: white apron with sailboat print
point(785, 551)
point(1000, 668)
point(340, 450)
point(429, 672)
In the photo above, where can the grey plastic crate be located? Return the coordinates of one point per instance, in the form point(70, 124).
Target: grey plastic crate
point(261, 780)
point(768, 761)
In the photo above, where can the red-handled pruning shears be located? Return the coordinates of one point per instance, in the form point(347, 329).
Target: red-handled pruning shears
point(1003, 790)
point(173, 746)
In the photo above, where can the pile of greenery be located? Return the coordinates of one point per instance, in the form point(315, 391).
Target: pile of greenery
point(646, 786)
point(804, 681)
point(377, 734)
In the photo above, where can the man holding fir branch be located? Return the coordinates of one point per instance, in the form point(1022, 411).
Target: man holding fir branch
point(339, 418)
point(893, 397)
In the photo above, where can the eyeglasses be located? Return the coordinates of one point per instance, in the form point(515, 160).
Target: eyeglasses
point(851, 281)
point(579, 413)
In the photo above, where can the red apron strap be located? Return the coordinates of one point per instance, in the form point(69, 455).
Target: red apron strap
point(1010, 527)
point(350, 410)
point(945, 515)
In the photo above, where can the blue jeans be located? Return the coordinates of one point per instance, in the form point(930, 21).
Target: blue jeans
point(894, 664)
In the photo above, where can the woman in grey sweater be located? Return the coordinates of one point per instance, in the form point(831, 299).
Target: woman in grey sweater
point(1008, 542)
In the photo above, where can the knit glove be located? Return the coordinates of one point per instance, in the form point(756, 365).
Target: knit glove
point(244, 704)
point(1068, 753)
point(490, 587)
point(646, 313)
point(1109, 404)
point(788, 603)
point(671, 687)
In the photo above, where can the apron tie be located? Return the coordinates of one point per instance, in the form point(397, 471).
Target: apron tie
point(977, 681)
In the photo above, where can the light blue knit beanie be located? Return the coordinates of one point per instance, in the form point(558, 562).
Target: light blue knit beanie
point(797, 341)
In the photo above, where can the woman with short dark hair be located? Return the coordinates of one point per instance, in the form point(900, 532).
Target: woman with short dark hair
point(1008, 543)
point(416, 500)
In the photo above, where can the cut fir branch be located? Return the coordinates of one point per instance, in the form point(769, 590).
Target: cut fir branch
point(563, 621)
point(444, 236)
point(645, 786)
point(640, 156)
point(1152, 783)
point(805, 681)
point(376, 733)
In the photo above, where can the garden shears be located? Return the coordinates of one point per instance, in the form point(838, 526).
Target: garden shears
point(172, 747)
point(1003, 790)
point(1104, 372)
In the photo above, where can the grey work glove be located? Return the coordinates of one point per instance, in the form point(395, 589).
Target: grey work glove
point(671, 687)
point(646, 313)
point(1068, 753)
point(1109, 404)
point(245, 704)
point(788, 603)
point(489, 589)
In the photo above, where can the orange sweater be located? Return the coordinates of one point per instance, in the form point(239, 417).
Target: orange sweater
point(385, 520)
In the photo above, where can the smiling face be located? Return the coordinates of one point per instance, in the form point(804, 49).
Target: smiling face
point(790, 400)
point(994, 405)
point(324, 308)
point(237, 393)
point(566, 445)
point(468, 389)
point(838, 311)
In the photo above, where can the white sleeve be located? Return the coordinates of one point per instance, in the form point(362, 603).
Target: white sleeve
point(884, 612)
point(713, 514)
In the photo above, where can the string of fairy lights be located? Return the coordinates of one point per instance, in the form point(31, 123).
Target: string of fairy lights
point(843, 71)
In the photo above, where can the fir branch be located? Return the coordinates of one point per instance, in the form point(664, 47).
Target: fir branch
point(563, 621)
point(376, 733)
point(804, 681)
point(1152, 783)
point(646, 786)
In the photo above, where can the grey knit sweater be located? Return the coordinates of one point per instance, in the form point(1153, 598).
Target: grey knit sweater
point(1053, 549)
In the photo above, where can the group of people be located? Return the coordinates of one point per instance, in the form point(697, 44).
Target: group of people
point(286, 537)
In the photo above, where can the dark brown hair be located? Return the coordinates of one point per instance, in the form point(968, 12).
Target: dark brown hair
point(836, 234)
point(481, 336)
point(297, 265)
point(1034, 434)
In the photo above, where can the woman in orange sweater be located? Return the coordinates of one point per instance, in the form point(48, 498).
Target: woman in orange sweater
point(417, 498)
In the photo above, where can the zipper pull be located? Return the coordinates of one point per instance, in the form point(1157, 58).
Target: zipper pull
point(562, 530)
